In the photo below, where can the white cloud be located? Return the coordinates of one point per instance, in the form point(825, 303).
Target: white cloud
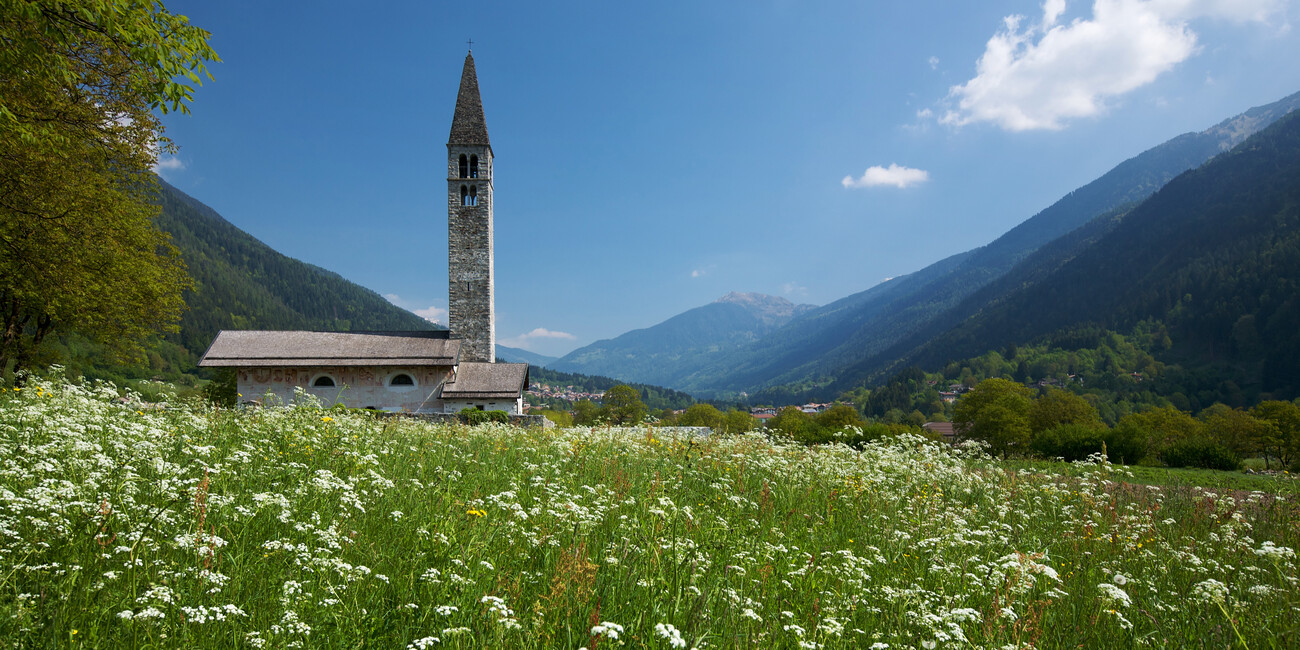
point(894, 174)
point(695, 273)
point(523, 340)
point(1038, 76)
point(432, 313)
point(165, 164)
point(934, 63)
point(794, 289)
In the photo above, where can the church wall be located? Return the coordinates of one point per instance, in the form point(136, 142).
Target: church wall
point(354, 386)
point(513, 407)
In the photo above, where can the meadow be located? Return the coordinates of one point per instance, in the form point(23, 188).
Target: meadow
point(123, 524)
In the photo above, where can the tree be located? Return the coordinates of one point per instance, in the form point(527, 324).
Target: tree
point(623, 405)
point(793, 422)
point(1239, 431)
point(838, 418)
point(585, 413)
point(997, 412)
point(1283, 441)
point(1057, 407)
point(79, 83)
point(1159, 428)
point(737, 421)
point(701, 415)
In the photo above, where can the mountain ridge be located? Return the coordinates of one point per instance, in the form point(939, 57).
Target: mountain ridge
point(811, 349)
point(665, 351)
point(1217, 255)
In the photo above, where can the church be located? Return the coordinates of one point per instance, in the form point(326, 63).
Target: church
point(412, 372)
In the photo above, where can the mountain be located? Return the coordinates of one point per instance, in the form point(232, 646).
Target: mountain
point(523, 356)
point(667, 353)
point(1214, 256)
point(814, 349)
point(241, 283)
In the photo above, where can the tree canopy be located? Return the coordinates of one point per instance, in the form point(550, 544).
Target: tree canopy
point(80, 82)
point(997, 412)
point(623, 405)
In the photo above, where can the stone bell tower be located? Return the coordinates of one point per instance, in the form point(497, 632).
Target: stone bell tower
point(471, 294)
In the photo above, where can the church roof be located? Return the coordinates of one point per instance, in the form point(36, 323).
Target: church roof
point(481, 380)
point(263, 348)
point(468, 126)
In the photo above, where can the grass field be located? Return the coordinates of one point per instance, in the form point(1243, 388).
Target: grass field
point(123, 526)
point(1279, 483)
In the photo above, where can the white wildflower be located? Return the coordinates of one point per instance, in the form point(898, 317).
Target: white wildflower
point(1113, 595)
point(669, 632)
point(1210, 591)
point(1273, 552)
point(611, 630)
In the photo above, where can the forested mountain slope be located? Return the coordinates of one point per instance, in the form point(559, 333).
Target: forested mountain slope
point(824, 344)
point(241, 283)
point(1214, 255)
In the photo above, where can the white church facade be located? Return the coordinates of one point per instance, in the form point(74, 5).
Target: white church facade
point(411, 372)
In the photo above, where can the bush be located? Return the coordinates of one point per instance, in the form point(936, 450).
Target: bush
point(223, 389)
point(1127, 446)
point(1079, 441)
point(1070, 441)
point(1199, 452)
point(473, 416)
point(560, 418)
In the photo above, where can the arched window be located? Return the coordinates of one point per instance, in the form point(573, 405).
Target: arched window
point(473, 166)
point(464, 167)
point(464, 195)
point(323, 381)
point(473, 195)
point(402, 379)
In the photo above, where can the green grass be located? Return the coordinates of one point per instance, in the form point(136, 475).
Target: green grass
point(1281, 483)
point(122, 526)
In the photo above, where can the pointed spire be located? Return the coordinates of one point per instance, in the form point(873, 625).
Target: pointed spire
point(468, 125)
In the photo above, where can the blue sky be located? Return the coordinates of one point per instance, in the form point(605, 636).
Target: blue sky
point(651, 157)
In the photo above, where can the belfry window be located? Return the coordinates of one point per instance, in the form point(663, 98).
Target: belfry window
point(464, 195)
point(323, 381)
point(464, 167)
point(401, 380)
point(473, 195)
point(473, 166)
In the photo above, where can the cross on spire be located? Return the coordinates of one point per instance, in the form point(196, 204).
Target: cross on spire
point(470, 43)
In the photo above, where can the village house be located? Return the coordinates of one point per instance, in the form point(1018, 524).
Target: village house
point(411, 372)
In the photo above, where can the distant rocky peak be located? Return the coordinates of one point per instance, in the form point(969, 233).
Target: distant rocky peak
point(768, 308)
point(743, 298)
point(1234, 130)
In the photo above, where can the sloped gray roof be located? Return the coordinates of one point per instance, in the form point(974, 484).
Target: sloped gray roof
point(481, 380)
point(468, 126)
point(262, 348)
